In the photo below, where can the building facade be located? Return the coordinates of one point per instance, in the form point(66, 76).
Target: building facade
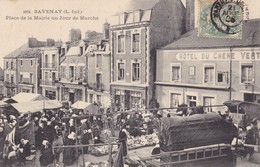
point(28, 71)
point(72, 74)
point(209, 71)
point(50, 72)
point(134, 35)
point(98, 56)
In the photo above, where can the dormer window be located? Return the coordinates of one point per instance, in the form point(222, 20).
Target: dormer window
point(81, 50)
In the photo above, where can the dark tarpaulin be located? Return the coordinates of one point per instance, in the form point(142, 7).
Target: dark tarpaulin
point(178, 133)
point(252, 110)
point(27, 132)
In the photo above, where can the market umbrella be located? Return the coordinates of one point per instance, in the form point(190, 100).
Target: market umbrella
point(91, 108)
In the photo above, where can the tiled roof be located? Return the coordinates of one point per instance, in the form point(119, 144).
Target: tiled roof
point(95, 39)
point(30, 53)
point(16, 53)
point(190, 40)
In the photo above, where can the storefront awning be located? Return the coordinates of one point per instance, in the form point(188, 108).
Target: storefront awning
point(35, 106)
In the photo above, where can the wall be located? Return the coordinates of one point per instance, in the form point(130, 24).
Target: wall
point(128, 56)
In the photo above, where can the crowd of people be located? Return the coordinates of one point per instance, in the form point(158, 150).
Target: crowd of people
point(58, 128)
point(51, 129)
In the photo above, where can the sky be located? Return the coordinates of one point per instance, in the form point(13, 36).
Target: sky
point(14, 33)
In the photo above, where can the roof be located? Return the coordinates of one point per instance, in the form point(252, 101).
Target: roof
point(95, 39)
point(190, 40)
point(36, 105)
point(27, 97)
point(16, 53)
point(30, 52)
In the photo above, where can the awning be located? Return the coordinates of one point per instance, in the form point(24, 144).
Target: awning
point(35, 106)
point(90, 107)
point(26, 97)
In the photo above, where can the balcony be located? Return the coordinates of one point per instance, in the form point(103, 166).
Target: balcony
point(48, 83)
point(98, 87)
point(49, 65)
point(9, 84)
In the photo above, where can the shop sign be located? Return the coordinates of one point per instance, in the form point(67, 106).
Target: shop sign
point(221, 56)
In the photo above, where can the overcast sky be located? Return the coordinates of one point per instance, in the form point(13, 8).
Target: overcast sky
point(14, 33)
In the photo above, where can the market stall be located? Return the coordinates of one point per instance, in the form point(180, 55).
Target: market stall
point(35, 106)
point(89, 108)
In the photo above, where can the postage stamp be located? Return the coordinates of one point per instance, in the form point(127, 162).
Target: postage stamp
point(220, 18)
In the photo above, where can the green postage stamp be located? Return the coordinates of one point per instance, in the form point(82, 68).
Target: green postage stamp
point(220, 18)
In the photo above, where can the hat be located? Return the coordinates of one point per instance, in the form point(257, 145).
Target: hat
point(72, 136)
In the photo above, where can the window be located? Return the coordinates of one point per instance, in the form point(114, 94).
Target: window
point(21, 78)
point(7, 77)
point(31, 78)
point(136, 43)
point(98, 80)
point(176, 73)
point(136, 72)
point(12, 79)
point(53, 61)
point(99, 61)
point(208, 74)
point(21, 62)
point(121, 71)
point(81, 72)
point(220, 77)
point(31, 62)
point(71, 72)
point(175, 99)
point(62, 71)
point(81, 50)
point(7, 65)
point(12, 65)
point(91, 98)
point(246, 73)
point(121, 44)
point(192, 101)
point(208, 101)
point(98, 98)
point(62, 51)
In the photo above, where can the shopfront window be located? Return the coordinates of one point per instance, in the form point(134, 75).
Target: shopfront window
point(192, 101)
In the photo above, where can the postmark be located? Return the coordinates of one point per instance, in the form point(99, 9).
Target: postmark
point(221, 18)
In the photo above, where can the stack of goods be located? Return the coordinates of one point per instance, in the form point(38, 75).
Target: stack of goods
point(141, 141)
point(103, 150)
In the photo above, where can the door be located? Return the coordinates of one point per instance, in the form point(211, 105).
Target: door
point(127, 99)
point(71, 97)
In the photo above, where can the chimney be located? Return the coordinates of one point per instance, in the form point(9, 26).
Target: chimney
point(50, 42)
point(75, 35)
point(190, 15)
point(32, 42)
point(106, 30)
